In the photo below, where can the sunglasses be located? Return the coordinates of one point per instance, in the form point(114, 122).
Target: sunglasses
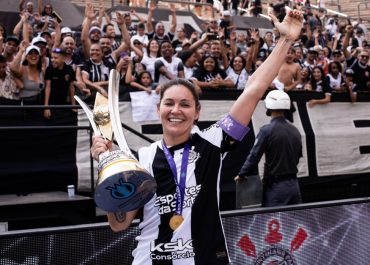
point(137, 43)
point(364, 56)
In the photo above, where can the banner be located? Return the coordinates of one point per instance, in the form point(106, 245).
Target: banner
point(331, 233)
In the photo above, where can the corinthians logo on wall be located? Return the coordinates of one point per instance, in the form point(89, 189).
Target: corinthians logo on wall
point(274, 252)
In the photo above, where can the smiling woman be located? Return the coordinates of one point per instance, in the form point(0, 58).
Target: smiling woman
point(181, 223)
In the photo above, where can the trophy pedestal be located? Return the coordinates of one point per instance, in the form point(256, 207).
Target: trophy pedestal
point(123, 185)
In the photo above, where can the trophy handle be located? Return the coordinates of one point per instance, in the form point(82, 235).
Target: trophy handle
point(113, 105)
point(89, 114)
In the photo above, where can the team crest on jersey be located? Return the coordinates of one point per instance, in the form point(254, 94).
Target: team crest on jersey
point(193, 156)
point(67, 77)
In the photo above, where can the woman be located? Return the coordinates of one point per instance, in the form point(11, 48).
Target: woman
point(237, 72)
point(334, 77)
point(29, 71)
point(151, 56)
point(209, 74)
point(199, 238)
point(319, 83)
point(304, 79)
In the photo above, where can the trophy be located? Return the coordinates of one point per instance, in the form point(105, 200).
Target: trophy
point(123, 184)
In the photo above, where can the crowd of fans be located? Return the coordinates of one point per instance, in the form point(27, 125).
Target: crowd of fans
point(41, 63)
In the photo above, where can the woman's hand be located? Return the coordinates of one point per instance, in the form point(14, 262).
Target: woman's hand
point(291, 25)
point(99, 146)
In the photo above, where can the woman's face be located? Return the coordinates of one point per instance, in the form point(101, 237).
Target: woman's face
point(145, 79)
point(316, 73)
point(238, 64)
point(33, 57)
point(304, 73)
point(96, 53)
point(154, 47)
point(177, 111)
point(48, 9)
point(209, 64)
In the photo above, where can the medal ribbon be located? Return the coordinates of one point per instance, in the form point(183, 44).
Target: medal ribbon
point(180, 185)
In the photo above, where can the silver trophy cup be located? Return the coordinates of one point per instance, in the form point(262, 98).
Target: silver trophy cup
point(123, 184)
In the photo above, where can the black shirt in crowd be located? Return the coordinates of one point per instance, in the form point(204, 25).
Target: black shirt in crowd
point(60, 80)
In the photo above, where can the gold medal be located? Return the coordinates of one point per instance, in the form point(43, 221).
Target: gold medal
point(176, 221)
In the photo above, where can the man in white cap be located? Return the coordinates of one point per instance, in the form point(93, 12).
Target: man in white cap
point(281, 143)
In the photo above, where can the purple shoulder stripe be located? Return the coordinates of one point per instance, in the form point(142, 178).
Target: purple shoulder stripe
point(233, 128)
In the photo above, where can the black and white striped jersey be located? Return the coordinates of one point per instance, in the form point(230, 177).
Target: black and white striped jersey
point(200, 238)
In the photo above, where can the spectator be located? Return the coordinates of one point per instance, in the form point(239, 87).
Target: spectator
point(189, 60)
point(237, 72)
point(310, 61)
point(144, 82)
point(241, 42)
point(141, 36)
point(334, 77)
point(289, 73)
point(47, 36)
point(304, 81)
point(152, 54)
point(322, 60)
point(159, 33)
point(181, 39)
point(349, 85)
point(66, 32)
point(124, 67)
point(42, 44)
point(30, 72)
point(209, 74)
point(3, 33)
point(132, 28)
point(89, 35)
point(73, 59)
point(319, 83)
point(359, 65)
point(10, 48)
point(95, 74)
point(168, 66)
point(59, 79)
point(9, 86)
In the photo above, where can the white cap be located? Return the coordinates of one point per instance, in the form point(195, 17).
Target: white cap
point(226, 13)
point(66, 30)
point(32, 47)
point(277, 100)
point(38, 39)
point(95, 28)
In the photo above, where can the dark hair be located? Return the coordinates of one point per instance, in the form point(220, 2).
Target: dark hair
point(2, 59)
point(4, 28)
point(39, 63)
point(147, 48)
point(182, 82)
point(313, 81)
point(141, 74)
point(43, 13)
point(201, 64)
point(244, 62)
point(164, 42)
point(337, 64)
point(106, 26)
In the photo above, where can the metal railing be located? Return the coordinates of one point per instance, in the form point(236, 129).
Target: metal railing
point(63, 127)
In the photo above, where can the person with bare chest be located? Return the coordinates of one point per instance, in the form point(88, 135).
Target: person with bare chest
point(289, 73)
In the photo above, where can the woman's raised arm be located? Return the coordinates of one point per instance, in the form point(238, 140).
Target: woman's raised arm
point(257, 84)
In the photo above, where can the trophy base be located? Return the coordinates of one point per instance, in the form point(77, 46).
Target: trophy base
point(123, 184)
point(125, 191)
